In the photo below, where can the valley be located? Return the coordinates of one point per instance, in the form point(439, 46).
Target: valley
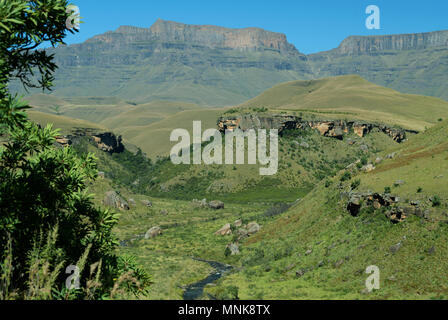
point(359, 177)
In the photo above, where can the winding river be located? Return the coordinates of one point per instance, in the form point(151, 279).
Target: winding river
point(195, 290)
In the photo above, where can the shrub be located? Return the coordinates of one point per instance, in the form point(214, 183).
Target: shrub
point(387, 190)
point(355, 184)
point(436, 201)
point(346, 176)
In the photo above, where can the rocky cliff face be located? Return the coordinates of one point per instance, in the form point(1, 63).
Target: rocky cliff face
point(219, 37)
point(218, 66)
point(105, 141)
point(356, 45)
point(329, 128)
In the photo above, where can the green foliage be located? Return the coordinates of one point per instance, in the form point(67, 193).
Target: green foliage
point(387, 190)
point(436, 201)
point(346, 176)
point(43, 188)
point(355, 184)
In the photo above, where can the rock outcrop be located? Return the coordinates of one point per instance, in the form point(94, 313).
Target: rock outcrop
point(105, 141)
point(356, 45)
point(109, 142)
point(329, 128)
point(114, 200)
point(153, 232)
point(394, 210)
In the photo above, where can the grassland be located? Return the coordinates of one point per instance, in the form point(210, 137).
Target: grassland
point(321, 236)
point(353, 97)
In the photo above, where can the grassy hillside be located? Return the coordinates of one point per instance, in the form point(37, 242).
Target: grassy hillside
point(318, 250)
point(353, 97)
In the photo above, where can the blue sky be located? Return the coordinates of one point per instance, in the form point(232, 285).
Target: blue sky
point(311, 25)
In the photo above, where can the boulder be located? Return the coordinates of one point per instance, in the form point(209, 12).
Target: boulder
point(238, 223)
point(114, 200)
point(368, 168)
point(354, 204)
point(147, 203)
point(216, 205)
point(199, 203)
point(233, 248)
point(253, 227)
point(153, 232)
point(242, 233)
point(395, 247)
point(224, 231)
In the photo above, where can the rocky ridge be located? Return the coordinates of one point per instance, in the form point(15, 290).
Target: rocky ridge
point(329, 128)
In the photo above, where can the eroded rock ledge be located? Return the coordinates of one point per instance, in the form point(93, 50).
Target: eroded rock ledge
point(105, 141)
point(329, 128)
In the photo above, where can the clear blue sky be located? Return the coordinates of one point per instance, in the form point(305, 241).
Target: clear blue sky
point(311, 25)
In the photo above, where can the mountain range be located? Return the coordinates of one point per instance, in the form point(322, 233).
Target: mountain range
point(216, 66)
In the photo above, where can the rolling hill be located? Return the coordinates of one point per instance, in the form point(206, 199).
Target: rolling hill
point(352, 97)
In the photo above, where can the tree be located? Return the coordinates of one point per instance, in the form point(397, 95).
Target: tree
point(47, 220)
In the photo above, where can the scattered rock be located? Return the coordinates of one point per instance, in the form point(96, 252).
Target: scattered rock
point(253, 227)
point(399, 182)
point(320, 264)
point(101, 174)
point(395, 247)
point(233, 248)
point(378, 160)
point(391, 155)
point(199, 204)
point(132, 202)
point(238, 223)
point(147, 203)
point(112, 199)
point(164, 212)
point(308, 252)
point(300, 273)
point(368, 168)
point(354, 204)
point(216, 205)
point(242, 233)
point(224, 231)
point(153, 232)
point(432, 250)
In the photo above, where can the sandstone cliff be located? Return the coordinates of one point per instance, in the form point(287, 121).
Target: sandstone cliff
point(330, 128)
point(356, 45)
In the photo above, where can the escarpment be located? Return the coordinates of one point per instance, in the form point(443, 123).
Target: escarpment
point(105, 141)
point(329, 128)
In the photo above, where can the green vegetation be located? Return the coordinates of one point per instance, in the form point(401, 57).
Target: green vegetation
point(356, 96)
point(47, 220)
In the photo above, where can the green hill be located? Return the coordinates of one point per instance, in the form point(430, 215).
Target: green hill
point(318, 250)
point(352, 97)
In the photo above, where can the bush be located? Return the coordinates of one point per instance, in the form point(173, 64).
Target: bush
point(47, 219)
point(346, 176)
point(355, 184)
point(387, 190)
point(436, 201)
